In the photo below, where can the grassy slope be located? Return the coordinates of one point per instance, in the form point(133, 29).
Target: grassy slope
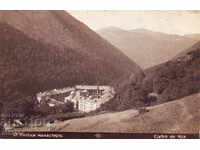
point(180, 116)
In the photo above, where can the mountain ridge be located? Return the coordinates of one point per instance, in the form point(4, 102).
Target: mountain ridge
point(135, 43)
point(34, 60)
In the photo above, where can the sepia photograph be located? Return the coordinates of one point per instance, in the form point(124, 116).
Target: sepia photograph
point(100, 74)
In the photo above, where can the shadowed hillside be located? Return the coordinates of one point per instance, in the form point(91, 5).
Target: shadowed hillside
point(186, 51)
point(42, 50)
point(86, 57)
point(30, 66)
point(176, 78)
point(60, 29)
point(146, 48)
point(172, 80)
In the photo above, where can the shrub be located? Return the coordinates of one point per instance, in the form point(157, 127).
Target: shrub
point(67, 107)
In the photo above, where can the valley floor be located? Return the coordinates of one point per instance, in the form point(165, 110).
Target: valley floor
point(180, 116)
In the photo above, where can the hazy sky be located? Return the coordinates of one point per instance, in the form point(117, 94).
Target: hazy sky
point(172, 22)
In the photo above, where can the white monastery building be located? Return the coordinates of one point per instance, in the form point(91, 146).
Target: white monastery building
point(86, 98)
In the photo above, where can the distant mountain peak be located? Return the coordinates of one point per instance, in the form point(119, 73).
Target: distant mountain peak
point(141, 30)
point(111, 28)
point(147, 31)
